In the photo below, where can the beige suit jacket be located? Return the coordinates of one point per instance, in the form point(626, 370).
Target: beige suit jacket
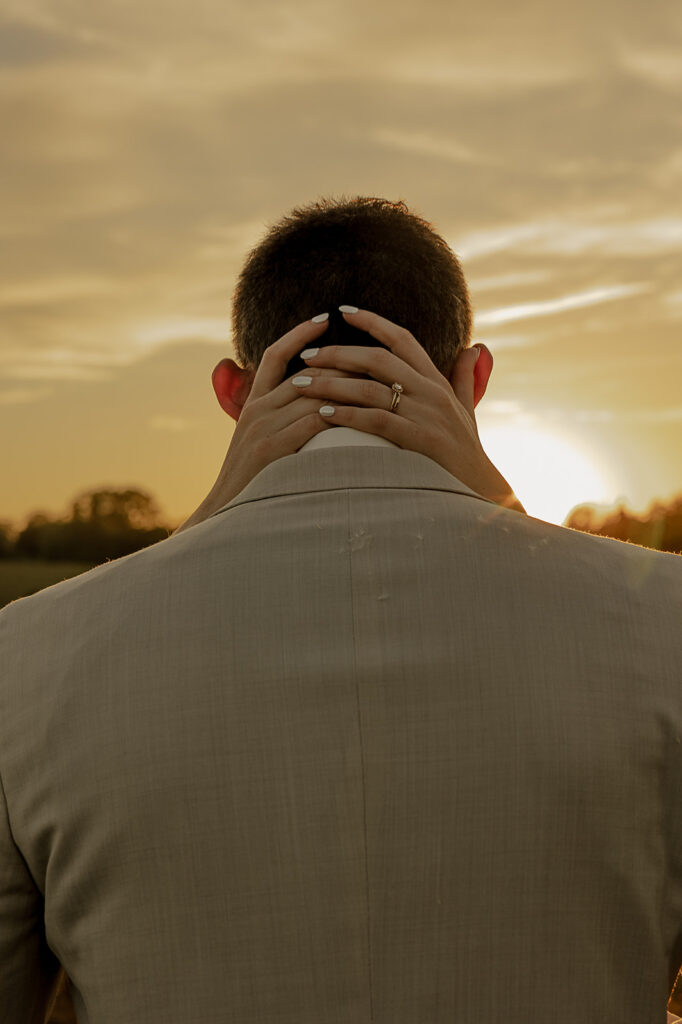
point(361, 747)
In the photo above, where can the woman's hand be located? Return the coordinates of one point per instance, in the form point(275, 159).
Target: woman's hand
point(279, 417)
point(274, 420)
point(431, 418)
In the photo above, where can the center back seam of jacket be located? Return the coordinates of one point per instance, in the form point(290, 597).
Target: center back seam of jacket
point(362, 756)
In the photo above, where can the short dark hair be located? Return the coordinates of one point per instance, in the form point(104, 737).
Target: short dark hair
point(364, 251)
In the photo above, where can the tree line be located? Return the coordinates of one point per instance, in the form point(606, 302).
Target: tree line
point(102, 525)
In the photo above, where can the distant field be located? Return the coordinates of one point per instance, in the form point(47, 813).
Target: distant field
point(25, 576)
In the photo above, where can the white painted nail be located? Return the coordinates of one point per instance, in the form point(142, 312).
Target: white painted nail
point(327, 410)
point(309, 353)
point(301, 382)
point(348, 309)
point(320, 318)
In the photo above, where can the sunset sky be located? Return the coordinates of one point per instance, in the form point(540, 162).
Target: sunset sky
point(147, 146)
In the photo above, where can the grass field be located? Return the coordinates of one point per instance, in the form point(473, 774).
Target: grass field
point(24, 576)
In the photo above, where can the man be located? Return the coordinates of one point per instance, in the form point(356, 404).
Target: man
point(361, 741)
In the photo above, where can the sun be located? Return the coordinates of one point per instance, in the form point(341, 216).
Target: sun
point(550, 473)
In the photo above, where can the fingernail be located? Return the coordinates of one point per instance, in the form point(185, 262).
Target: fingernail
point(309, 353)
point(320, 318)
point(327, 410)
point(301, 382)
point(478, 352)
point(348, 309)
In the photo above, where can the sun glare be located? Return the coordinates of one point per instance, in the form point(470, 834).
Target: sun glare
point(550, 474)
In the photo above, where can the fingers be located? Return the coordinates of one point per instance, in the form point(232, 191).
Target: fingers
point(339, 387)
point(381, 422)
point(366, 405)
point(286, 391)
point(399, 340)
point(278, 355)
point(377, 363)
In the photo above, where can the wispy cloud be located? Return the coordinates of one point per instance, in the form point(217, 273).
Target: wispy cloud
point(169, 423)
point(487, 241)
point(593, 415)
point(502, 407)
point(662, 65)
point(55, 363)
point(206, 328)
point(420, 142)
point(563, 237)
point(514, 280)
point(23, 396)
point(560, 305)
point(28, 371)
point(39, 291)
point(503, 342)
point(670, 414)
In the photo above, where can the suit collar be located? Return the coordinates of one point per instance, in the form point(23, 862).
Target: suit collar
point(337, 468)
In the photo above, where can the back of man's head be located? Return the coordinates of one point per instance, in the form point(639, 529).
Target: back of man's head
point(365, 251)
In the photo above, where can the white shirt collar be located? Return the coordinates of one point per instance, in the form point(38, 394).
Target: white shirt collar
point(340, 436)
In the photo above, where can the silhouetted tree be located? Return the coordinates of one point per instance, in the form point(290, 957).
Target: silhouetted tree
point(131, 509)
point(584, 518)
point(660, 528)
point(103, 525)
point(8, 536)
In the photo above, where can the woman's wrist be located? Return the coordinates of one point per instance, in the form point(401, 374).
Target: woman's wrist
point(496, 488)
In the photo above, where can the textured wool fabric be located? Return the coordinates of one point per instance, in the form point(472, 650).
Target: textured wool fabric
point(361, 747)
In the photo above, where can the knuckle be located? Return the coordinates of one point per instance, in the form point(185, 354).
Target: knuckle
point(247, 413)
point(422, 439)
point(442, 391)
point(381, 419)
point(383, 358)
point(261, 448)
point(368, 390)
point(438, 396)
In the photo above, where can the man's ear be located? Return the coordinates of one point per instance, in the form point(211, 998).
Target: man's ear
point(232, 386)
point(482, 370)
point(469, 377)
